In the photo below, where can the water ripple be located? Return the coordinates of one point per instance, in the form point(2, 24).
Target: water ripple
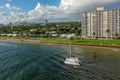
point(46, 62)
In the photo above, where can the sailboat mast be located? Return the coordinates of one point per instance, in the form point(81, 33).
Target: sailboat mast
point(70, 49)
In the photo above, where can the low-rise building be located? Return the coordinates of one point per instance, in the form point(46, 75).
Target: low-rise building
point(13, 35)
point(63, 35)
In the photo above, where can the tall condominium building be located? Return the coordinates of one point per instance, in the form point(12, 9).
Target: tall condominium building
point(101, 23)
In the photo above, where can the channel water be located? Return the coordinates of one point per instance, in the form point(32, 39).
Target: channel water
point(20, 61)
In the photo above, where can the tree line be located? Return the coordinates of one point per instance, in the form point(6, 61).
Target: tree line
point(40, 28)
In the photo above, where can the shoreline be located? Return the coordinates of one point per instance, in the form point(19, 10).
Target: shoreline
point(114, 48)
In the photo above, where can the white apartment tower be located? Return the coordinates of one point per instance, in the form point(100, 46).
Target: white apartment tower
point(101, 23)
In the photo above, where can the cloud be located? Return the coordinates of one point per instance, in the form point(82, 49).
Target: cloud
point(8, 6)
point(45, 11)
point(3, 17)
point(68, 10)
point(81, 5)
point(3, 14)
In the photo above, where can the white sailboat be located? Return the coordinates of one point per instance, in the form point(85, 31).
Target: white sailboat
point(72, 60)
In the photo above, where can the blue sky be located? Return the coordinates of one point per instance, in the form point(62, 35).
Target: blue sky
point(27, 5)
point(53, 10)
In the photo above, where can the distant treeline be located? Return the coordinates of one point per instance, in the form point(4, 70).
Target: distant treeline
point(36, 29)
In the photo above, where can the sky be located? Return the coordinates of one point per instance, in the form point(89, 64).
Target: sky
point(53, 10)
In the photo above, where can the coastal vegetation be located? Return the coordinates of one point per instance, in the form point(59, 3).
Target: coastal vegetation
point(89, 42)
point(51, 33)
point(42, 30)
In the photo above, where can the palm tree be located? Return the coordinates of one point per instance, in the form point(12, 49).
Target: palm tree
point(93, 35)
point(108, 32)
point(116, 35)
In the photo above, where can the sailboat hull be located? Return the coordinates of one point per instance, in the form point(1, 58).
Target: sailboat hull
point(72, 61)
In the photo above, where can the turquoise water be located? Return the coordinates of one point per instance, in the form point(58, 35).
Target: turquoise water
point(20, 61)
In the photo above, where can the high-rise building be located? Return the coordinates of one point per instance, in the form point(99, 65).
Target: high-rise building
point(101, 23)
point(46, 21)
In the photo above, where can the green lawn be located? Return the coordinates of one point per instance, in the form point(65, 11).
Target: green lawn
point(98, 42)
point(74, 41)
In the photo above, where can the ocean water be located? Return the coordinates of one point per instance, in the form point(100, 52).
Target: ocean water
point(20, 61)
